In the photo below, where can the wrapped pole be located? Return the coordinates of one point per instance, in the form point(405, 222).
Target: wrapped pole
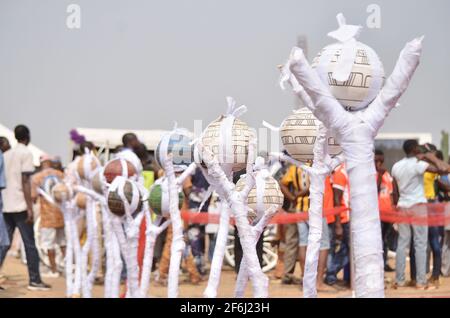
point(178, 244)
point(356, 132)
point(67, 213)
point(92, 243)
point(86, 249)
point(77, 253)
point(128, 247)
point(126, 230)
point(151, 233)
point(67, 210)
point(219, 252)
point(115, 262)
point(243, 275)
point(317, 176)
point(237, 203)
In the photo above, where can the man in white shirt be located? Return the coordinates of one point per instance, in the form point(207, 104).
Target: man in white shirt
point(408, 174)
point(17, 203)
point(130, 144)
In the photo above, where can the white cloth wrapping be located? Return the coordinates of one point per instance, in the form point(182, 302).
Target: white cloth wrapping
point(151, 233)
point(91, 246)
point(113, 259)
point(128, 243)
point(258, 229)
point(237, 202)
point(67, 214)
point(321, 168)
point(73, 249)
point(219, 252)
point(356, 133)
point(86, 286)
point(323, 165)
point(126, 230)
point(75, 237)
point(178, 244)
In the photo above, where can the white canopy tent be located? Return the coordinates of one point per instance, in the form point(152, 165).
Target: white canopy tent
point(9, 134)
point(109, 139)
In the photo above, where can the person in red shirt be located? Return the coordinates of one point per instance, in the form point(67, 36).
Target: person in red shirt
point(339, 254)
point(385, 186)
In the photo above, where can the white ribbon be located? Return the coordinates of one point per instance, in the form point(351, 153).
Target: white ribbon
point(346, 35)
point(226, 131)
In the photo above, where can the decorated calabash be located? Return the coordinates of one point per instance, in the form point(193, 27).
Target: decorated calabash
point(116, 204)
point(86, 166)
point(230, 146)
point(270, 195)
point(299, 132)
point(158, 198)
point(118, 167)
point(178, 143)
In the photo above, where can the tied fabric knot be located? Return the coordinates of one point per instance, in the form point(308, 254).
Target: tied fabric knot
point(232, 110)
point(226, 130)
point(346, 34)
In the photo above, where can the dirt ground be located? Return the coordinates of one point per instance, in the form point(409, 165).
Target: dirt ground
point(17, 278)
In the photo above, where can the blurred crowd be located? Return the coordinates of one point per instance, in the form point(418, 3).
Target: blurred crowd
point(422, 176)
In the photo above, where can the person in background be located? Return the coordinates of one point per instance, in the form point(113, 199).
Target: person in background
point(52, 222)
point(339, 255)
point(385, 187)
point(4, 144)
point(196, 232)
point(148, 172)
point(435, 233)
point(131, 144)
point(295, 187)
point(278, 170)
point(188, 260)
point(4, 239)
point(408, 174)
point(18, 206)
point(16, 244)
point(443, 185)
point(211, 229)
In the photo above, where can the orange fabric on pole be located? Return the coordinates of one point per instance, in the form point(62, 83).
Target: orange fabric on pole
point(141, 245)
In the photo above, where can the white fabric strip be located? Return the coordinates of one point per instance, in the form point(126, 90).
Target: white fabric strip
point(177, 230)
point(357, 132)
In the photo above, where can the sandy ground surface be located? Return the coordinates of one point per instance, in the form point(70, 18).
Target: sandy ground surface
point(17, 279)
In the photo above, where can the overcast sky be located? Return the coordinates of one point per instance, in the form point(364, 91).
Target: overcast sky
point(143, 64)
